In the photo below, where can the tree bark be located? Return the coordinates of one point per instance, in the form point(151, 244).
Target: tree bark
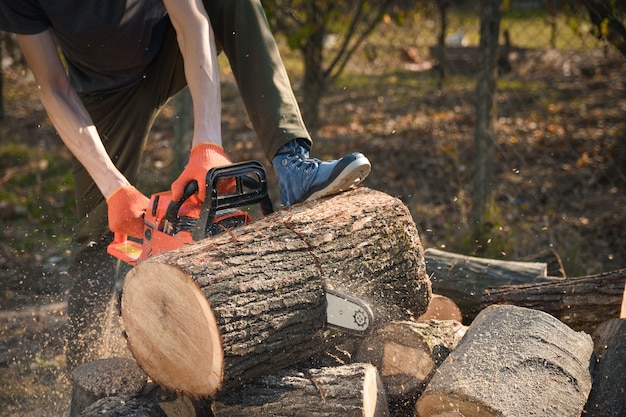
point(406, 353)
point(608, 395)
point(464, 278)
point(211, 315)
point(512, 361)
point(92, 381)
point(582, 303)
point(343, 391)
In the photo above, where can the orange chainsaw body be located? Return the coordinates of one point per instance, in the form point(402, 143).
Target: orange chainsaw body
point(168, 224)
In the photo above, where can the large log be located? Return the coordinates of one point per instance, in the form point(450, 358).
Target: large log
point(512, 361)
point(407, 353)
point(463, 278)
point(343, 391)
point(608, 395)
point(582, 303)
point(246, 303)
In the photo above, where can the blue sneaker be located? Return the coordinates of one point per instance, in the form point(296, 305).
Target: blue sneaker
point(302, 178)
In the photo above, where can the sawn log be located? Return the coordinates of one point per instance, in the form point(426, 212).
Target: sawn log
point(246, 303)
point(582, 303)
point(512, 361)
point(406, 353)
point(463, 278)
point(343, 391)
point(92, 381)
point(608, 395)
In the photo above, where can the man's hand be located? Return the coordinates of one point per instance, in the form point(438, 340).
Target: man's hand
point(126, 207)
point(203, 157)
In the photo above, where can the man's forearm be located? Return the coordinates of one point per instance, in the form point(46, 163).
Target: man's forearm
point(197, 45)
point(67, 112)
point(79, 134)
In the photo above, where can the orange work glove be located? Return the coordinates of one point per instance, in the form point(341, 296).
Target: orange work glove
point(203, 157)
point(126, 207)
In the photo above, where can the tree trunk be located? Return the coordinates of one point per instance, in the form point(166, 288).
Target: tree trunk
point(582, 303)
point(608, 395)
point(485, 114)
point(512, 361)
point(464, 278)
point(314, 82)
point(343, 391)
point(92, 381)
point(603, 16)
point(227, 309)
point(406, 353)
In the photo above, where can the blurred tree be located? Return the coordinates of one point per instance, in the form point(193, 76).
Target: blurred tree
point(327, 32)
point(485, 113)
point(608, 17)
point(1, 75)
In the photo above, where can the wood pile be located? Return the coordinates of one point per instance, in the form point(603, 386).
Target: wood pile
point(237, 325)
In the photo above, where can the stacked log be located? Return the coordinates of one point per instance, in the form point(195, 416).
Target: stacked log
point(463, 278)
point(442, 308)
point(582, 303)
point(512, 361)
point(342, 391)
point(622, 314)
point(608, 395)
point(92, 381)
point(407, 353)
point(123, 406)
point(226, 322)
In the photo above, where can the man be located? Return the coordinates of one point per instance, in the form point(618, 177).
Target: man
point(125, 59)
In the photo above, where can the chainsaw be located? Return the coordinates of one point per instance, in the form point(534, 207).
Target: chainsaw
point(170, 224)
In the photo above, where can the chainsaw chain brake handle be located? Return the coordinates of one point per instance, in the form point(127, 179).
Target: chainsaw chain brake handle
point(250, 188)
point(174, 206)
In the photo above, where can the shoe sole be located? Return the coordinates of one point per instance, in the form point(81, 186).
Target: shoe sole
point(344, 177)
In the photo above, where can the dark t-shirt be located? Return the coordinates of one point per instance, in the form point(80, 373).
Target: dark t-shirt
point(107, 44)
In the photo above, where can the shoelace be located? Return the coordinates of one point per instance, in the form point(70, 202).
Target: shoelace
point(297, 161)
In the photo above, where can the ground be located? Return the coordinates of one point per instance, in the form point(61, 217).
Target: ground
point(560, 184)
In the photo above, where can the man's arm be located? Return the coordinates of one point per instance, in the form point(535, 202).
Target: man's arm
point(197, 44)
point(67, 113)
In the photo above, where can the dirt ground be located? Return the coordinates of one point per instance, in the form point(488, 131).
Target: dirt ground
point(560, 187)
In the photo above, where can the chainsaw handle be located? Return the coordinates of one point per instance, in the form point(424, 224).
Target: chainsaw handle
point(172, 209)
point(250, 188)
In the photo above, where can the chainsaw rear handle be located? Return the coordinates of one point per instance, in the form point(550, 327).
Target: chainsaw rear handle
point(250, 188)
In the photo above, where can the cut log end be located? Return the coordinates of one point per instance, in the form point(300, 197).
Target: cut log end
point(441, 308)
point(172, 331)
point(402, 358)
point(371, 395)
